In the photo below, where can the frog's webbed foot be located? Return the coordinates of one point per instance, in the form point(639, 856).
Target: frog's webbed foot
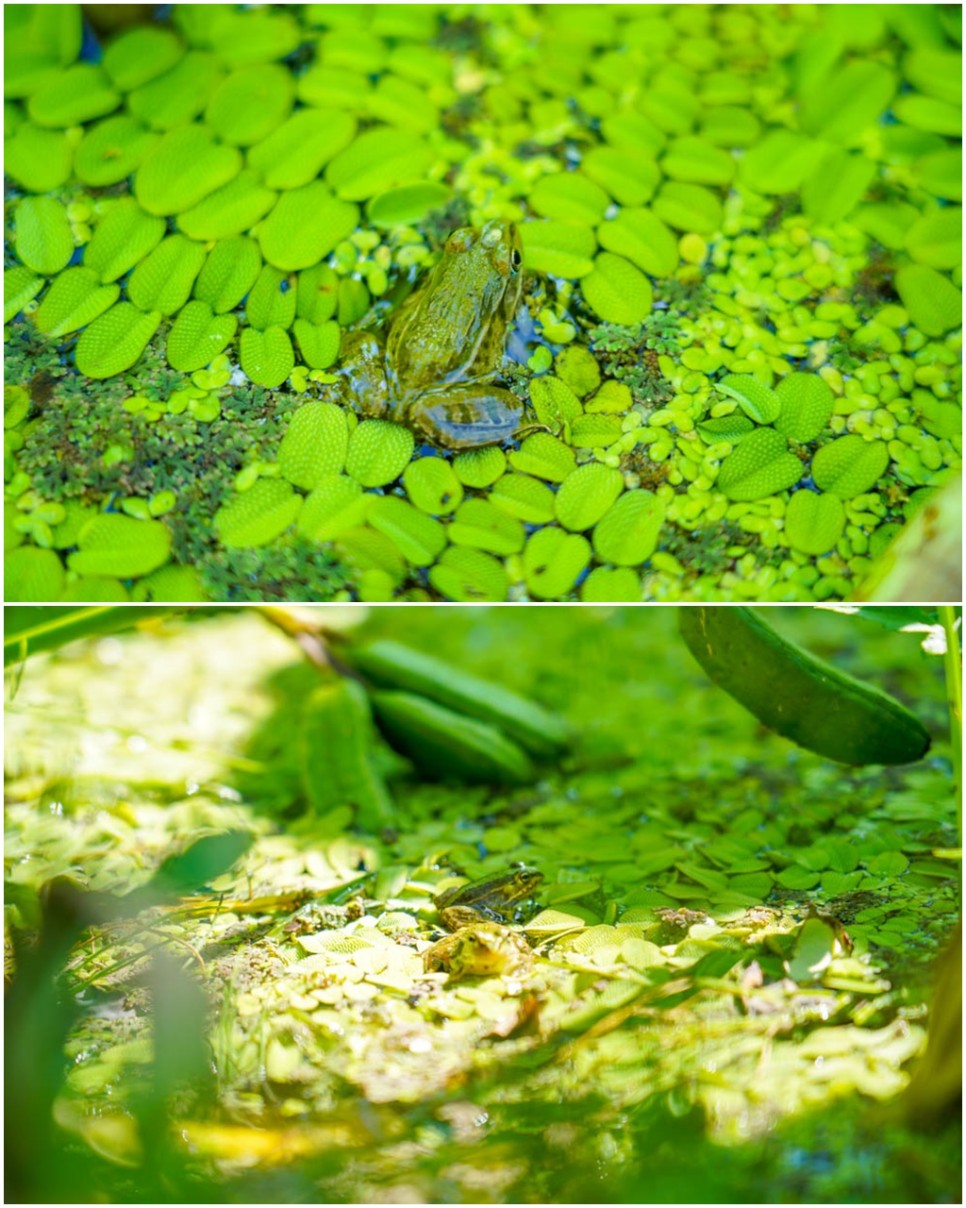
point(465, 417)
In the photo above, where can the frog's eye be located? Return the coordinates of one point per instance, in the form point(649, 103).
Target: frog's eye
point(515, 258)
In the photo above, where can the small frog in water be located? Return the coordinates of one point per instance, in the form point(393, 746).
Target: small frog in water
point(482, 950)
point(492, 899)
point(445, 346)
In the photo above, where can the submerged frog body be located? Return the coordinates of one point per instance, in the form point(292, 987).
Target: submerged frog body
point(481, 950)
point(492, 899)
point(445, 346)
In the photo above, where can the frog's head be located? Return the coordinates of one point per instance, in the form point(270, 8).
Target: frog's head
point(483, 266)
point(496, 245)
point(525, 881)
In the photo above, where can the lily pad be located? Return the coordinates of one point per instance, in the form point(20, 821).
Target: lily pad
point(846, 102)
point(318, 342)
point(806, 405)
point(180, 94)
point(317, 295)
point(230, 210)
point(20, 286)
point(781, 161)
point(119, 546)
point(694, 159)
point(628, 174)
point(569, 197)
point(418, 537)
point(110, 151)
point(297, 150)
point(123, 237)
point(559, 248)
point(403, 104)
point(757, 400)
point(336, 505)
point(314, 445)
point(115, 341)
point(633, 132)
point(267, 356)
point(726, 427)
point(837, 187)
point(407, 204)
point(432, 485)
point(586, 495)
point(480, 525)
point(813, 523)
point(304, 226)
point(554, 402)
point(32, 575)
point(163, 280)
point(254, 517)
point(271, 301)
point(523, 497)
point(73, 97)
point(43, 240)
point(759, 465)
point(141, 54)
point(627, 533)
point(643, 238)
point(228, 273)
point(197, 336)
point(367, 551)
point(74, 300)
point(479, 468)
point(469, 576)
point(185, 166)
point(595, 431)
point(850, 466)
point(936, 239)
point(553, 561)
point(36, 159)
point(250, 103)
point(611, 585)
point(617, 291)
point(544, 456)
point(934, 304)
point(378, 452)
point(687, 207)
point(377, 160)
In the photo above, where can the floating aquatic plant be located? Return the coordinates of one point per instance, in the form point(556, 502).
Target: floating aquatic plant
point(738, 284)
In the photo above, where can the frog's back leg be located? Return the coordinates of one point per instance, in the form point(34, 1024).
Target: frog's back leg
point(465, 417)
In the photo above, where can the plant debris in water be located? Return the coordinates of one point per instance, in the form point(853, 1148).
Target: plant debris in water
point(740, 344)
point(714, 992)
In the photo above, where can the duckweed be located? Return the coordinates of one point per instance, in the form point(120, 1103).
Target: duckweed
point(739, 282)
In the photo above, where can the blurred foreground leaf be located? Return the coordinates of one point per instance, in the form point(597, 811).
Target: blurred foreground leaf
point(31, 629)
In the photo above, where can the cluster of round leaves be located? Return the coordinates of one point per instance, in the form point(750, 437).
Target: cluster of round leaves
point(762, 464)
point(472, 525)
point(242, 173)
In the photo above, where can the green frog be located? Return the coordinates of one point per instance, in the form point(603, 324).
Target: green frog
point(491, 899)
point(445, 346)
point(481, 950)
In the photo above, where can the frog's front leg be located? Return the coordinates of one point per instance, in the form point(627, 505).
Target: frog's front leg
point(362, 376)
point(465, 417)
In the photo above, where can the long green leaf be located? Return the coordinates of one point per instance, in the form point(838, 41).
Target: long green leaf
point(30, 629)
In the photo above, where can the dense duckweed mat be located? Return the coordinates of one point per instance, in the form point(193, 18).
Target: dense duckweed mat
point(728, 961)
point(740, 341)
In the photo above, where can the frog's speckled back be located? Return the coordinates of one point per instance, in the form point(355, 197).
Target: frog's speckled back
point(454, 327)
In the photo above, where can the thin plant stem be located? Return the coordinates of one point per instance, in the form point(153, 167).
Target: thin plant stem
point(954, 696)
